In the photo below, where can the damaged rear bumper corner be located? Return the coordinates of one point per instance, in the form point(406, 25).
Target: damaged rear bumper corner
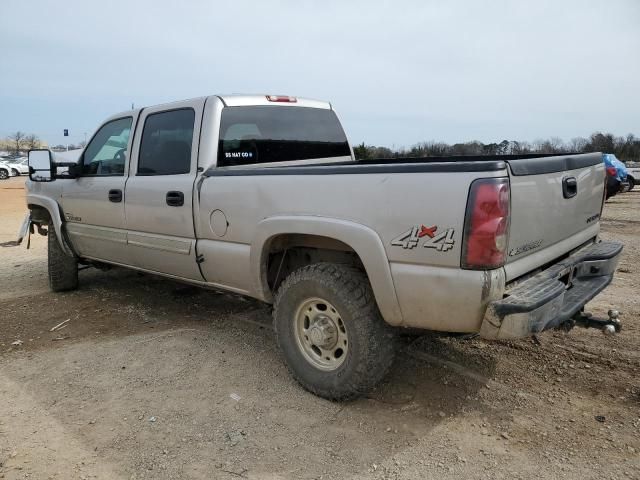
point(553, 296)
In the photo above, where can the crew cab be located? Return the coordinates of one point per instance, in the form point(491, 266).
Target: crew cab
point(262, 196)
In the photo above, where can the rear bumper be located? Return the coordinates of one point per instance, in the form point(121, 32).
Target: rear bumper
point(553, 296)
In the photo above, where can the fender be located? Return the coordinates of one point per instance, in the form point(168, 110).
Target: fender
point(363, 240)
point(54, 212)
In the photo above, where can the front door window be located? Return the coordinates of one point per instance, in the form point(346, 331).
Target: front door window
point(106, 153)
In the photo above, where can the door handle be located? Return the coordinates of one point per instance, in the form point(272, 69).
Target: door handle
point(115, 195)
point(175, 199)
point(569, 187)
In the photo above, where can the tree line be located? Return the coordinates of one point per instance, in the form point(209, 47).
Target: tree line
point(625, 148)
point(20, 141)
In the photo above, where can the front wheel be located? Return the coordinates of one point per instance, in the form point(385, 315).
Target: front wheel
point(330, 332)
point(4, 174)
point(63, 269)
point(15, 172)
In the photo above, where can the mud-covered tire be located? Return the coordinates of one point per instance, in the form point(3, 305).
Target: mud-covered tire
point(371, 342)
point(4, 174)
point(63, 269)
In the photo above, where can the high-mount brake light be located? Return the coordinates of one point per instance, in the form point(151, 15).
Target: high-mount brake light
point(486, 225)
point(281, 98)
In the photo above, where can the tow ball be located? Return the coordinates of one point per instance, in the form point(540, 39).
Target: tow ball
point(587, 320)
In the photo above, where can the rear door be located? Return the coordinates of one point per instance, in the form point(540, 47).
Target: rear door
point(555, 207)
point(159, 192)
point(93, 203)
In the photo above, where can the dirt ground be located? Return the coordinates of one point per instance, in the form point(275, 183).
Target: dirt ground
point(152, 379)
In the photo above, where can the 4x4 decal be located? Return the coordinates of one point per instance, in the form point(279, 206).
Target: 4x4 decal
point(442, 242)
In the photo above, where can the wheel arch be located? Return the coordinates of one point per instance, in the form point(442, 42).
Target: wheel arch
point(334, 237)
point(42, 203)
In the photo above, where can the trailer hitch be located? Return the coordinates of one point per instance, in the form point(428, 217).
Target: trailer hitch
point(607, 326)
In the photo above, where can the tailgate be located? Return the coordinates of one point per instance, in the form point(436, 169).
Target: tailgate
point(555, 208)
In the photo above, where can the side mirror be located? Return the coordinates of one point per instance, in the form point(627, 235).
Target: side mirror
point(41, 166)
point(74, 170)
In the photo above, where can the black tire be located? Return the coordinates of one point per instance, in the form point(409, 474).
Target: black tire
point(15, 172)
point(4, 174)
point(632, 182)
point(372, 342)
point(63, 269)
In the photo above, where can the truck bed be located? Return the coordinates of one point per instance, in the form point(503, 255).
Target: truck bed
point(545, 225)
point(526, 164)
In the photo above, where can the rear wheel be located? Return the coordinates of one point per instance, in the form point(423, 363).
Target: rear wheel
point(4, 174)
point(15, 172)
point(330, 332)
point(632, 182)
point(63, 269)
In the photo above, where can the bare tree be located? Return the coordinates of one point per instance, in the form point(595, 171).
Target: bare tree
point(31, 141)
point(602, 142)
point(17, 140)
point(556, 145)
point(578, 144)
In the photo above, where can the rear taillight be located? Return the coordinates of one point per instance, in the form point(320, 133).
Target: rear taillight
point(486, 227)
point(612, 172)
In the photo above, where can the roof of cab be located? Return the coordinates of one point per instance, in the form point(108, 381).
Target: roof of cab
point(247, 100)
point(237, 100)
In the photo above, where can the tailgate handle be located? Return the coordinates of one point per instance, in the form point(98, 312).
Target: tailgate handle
point(569, 187)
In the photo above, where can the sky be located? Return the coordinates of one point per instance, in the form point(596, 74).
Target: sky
point(397, 72)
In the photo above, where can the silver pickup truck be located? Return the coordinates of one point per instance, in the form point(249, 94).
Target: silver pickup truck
point(262, 196)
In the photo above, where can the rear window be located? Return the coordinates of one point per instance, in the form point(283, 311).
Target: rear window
point(266, 134)
point(165, 148)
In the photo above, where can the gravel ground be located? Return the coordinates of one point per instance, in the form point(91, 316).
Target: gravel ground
point(153, 379)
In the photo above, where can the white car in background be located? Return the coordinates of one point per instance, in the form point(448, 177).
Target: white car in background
point(18, 166)
point(633, 174)
point(7, 171)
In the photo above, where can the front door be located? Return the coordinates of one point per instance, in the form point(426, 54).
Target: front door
point(159, 192)
point(93, 203)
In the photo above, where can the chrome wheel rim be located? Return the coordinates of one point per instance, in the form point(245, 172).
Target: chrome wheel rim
point(321, 334)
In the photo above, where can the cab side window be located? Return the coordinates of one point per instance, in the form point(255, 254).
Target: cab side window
point(106, 153)
point(165, 148)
